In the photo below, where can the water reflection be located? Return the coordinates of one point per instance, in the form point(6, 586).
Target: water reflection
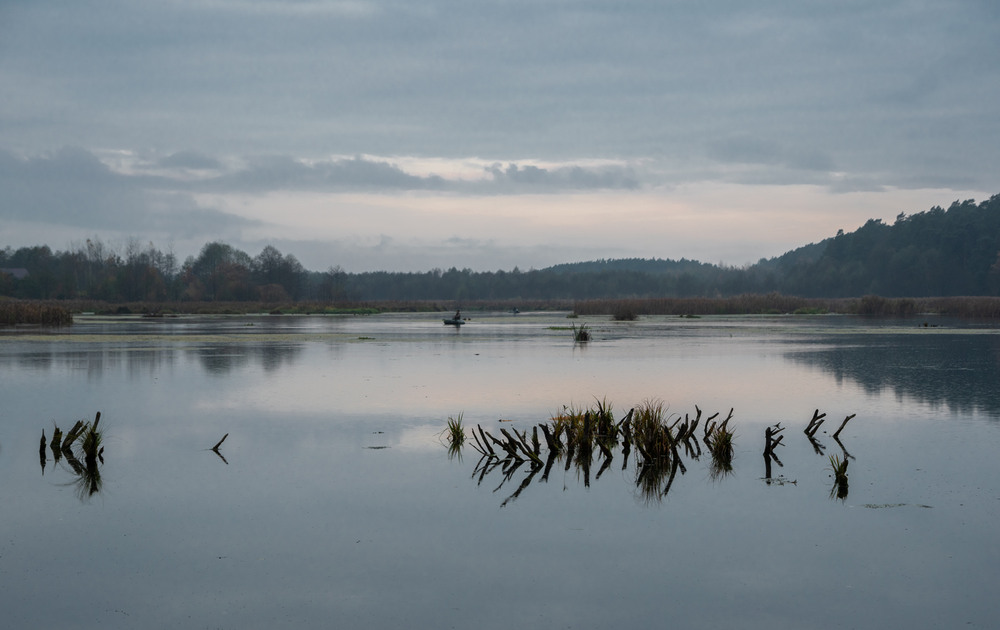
point(84, 440)
point(319, 514)
point(98, 360)
point(219, 360)
point(664, 446)
point(215, 449)
point(956, 371)
point(952, 369)
point(94, 359)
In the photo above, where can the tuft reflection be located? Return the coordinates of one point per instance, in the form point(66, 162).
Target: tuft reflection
point(839, 468)
point(582, 440)
point(87, 438)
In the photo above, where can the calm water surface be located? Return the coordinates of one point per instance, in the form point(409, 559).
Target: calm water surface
point(334, 502)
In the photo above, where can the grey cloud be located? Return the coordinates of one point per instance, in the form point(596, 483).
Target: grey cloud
point(550, 80)
point(72, 187)
point(754, 150)
point(75, 186)
point(534, 178)
point(189, 160)
point(273, 173)
point(855, 184)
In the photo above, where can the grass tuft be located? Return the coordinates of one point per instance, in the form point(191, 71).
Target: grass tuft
point(454, 434)
point(839, 468)
point(720, 444)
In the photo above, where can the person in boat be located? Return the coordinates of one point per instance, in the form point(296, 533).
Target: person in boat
point(458, 315)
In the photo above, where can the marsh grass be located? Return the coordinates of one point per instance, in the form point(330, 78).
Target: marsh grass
point(89, 438)
point(721, 446)
point(59, 312)
point(454, 434)
point(92, 442)
point(456, 430)
point(605, 428)
point(977, 307)
point(566, 421)
point(582, 426)
point(581, 334)
point(583, 438)
point(650, 433)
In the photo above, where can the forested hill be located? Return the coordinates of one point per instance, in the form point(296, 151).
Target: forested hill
point(642, 265)
point(933, 253)
point(937, 252)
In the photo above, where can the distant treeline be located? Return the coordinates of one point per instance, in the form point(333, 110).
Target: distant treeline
point(953, 252)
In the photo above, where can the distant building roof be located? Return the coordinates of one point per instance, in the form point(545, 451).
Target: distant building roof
point(18, 272)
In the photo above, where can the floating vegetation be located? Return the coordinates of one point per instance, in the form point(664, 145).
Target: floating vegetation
point(88, 439)
point(663, 444)
point(781, 480)
point(880, 506)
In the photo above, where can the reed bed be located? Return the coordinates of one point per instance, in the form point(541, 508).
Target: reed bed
point(311, 307)
point(622, 309)
point(749, 304)
point(15, 312)
point(976, 307)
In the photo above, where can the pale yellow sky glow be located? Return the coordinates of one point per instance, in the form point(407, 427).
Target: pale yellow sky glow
point(711, 222)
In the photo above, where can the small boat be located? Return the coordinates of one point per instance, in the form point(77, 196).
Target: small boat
point(453, 322)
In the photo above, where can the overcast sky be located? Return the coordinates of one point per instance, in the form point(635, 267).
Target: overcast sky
point(409, 135)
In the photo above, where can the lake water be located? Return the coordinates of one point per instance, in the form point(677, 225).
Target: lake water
point(334, 502)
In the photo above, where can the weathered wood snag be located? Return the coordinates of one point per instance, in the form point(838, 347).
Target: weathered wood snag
point(815, 423)
point(842, 425)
